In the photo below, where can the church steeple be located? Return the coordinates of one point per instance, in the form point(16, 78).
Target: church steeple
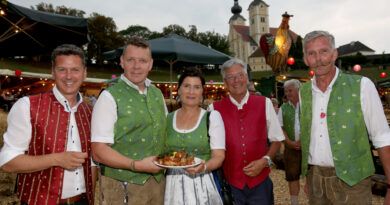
point(236, 9)
point(236, 18)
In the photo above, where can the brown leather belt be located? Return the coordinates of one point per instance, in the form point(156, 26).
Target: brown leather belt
point(73, 199)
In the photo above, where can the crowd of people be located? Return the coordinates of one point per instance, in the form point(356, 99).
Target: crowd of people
point(60, 146)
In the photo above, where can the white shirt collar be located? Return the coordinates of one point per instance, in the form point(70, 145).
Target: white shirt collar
point(64, 102)
point(243, 101)
point(314, 83)
point(147, 82)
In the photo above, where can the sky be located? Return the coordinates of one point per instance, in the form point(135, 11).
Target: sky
point(348, 20)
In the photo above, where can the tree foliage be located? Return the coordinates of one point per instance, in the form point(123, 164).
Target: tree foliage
point(59, 10)
point(136, 30)
point(296, 51)
point(209, 38)
point(103, 36)
point(174, 28)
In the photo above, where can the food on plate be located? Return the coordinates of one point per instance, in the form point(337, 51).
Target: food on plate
point(176, 158)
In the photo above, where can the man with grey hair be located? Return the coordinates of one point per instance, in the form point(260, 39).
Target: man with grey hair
point(289, 120)
point(339, 114)
point(47, 141)
point(250, 120)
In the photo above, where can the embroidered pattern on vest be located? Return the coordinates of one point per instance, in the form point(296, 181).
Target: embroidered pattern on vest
point(246, 139)
point(49, 135)
point(288, 112)
point(347, 131)
point(195, 142)
point(140, 129)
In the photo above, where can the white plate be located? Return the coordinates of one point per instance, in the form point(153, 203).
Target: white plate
point(196, 159)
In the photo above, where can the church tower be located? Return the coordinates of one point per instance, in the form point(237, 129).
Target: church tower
point(238, 47)
point(236, 19)
point(258, 19)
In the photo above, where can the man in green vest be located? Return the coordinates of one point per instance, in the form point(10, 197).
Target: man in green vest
point(289, 120)
point(339, 114)
point(128, 132)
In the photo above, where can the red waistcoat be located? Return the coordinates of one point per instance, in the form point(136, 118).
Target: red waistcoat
point(246, 139)
point(49, 124)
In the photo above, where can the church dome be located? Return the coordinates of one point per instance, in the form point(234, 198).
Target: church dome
point(236, 9)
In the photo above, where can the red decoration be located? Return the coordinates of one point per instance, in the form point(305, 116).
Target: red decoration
point(322, 115)
point(18, 73)
point(113, 76)
point(357, 68)
point(311, 73)
point(290, 61)
point(383, 75)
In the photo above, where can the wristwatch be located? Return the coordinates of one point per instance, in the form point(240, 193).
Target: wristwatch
point(269, 160)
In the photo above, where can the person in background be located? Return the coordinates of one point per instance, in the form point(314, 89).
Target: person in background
point(275, 103)
point(128, 132)
point(249, 121)
point(47, 141)
point(188, 130)
point(339, 114)
point(252, 88)
point(289, 120)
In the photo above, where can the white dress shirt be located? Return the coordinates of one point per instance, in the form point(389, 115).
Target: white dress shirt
point(104, 114)
point(18, 136)
point(297, 128)
point(378, 130)
point(274, 131)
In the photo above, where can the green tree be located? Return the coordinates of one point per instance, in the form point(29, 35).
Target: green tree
point(209, 38)
point(174, 28)
point(192, 34)
point(136, 30)
point(59, 10)
point(296, 51)
point(214, 40)
point(103, 36)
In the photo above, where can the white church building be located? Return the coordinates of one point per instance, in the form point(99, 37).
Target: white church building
point(244, 39)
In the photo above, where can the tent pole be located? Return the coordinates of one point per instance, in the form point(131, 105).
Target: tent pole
point(170, 77)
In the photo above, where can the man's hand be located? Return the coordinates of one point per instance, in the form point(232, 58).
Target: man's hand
point(254, 168)
point(70, 160)
point(147, 165)
point(296, 145)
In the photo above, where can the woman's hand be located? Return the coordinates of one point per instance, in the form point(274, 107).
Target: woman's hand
point(197, 169)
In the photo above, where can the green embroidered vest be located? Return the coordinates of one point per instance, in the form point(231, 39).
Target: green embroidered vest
point(288, 112)
point(347, 131)
point(195, 142)
point(139, 131)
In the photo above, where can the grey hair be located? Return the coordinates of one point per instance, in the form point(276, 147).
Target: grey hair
point(316, 34)
point(230, 63)
point(294, 82)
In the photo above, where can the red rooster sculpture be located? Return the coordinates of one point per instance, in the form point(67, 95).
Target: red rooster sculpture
point(275, 48)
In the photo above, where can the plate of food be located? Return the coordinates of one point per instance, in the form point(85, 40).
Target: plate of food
point(177, 160)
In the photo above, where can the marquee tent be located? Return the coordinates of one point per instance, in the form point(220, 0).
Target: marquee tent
point(26, 31)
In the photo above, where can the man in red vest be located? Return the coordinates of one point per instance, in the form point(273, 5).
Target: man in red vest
point(249, 121)
point(47, 141)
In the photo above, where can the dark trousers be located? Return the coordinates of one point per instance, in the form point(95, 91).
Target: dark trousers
point(261, 194)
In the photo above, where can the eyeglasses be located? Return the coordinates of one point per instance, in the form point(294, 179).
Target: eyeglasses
point(232, 78)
